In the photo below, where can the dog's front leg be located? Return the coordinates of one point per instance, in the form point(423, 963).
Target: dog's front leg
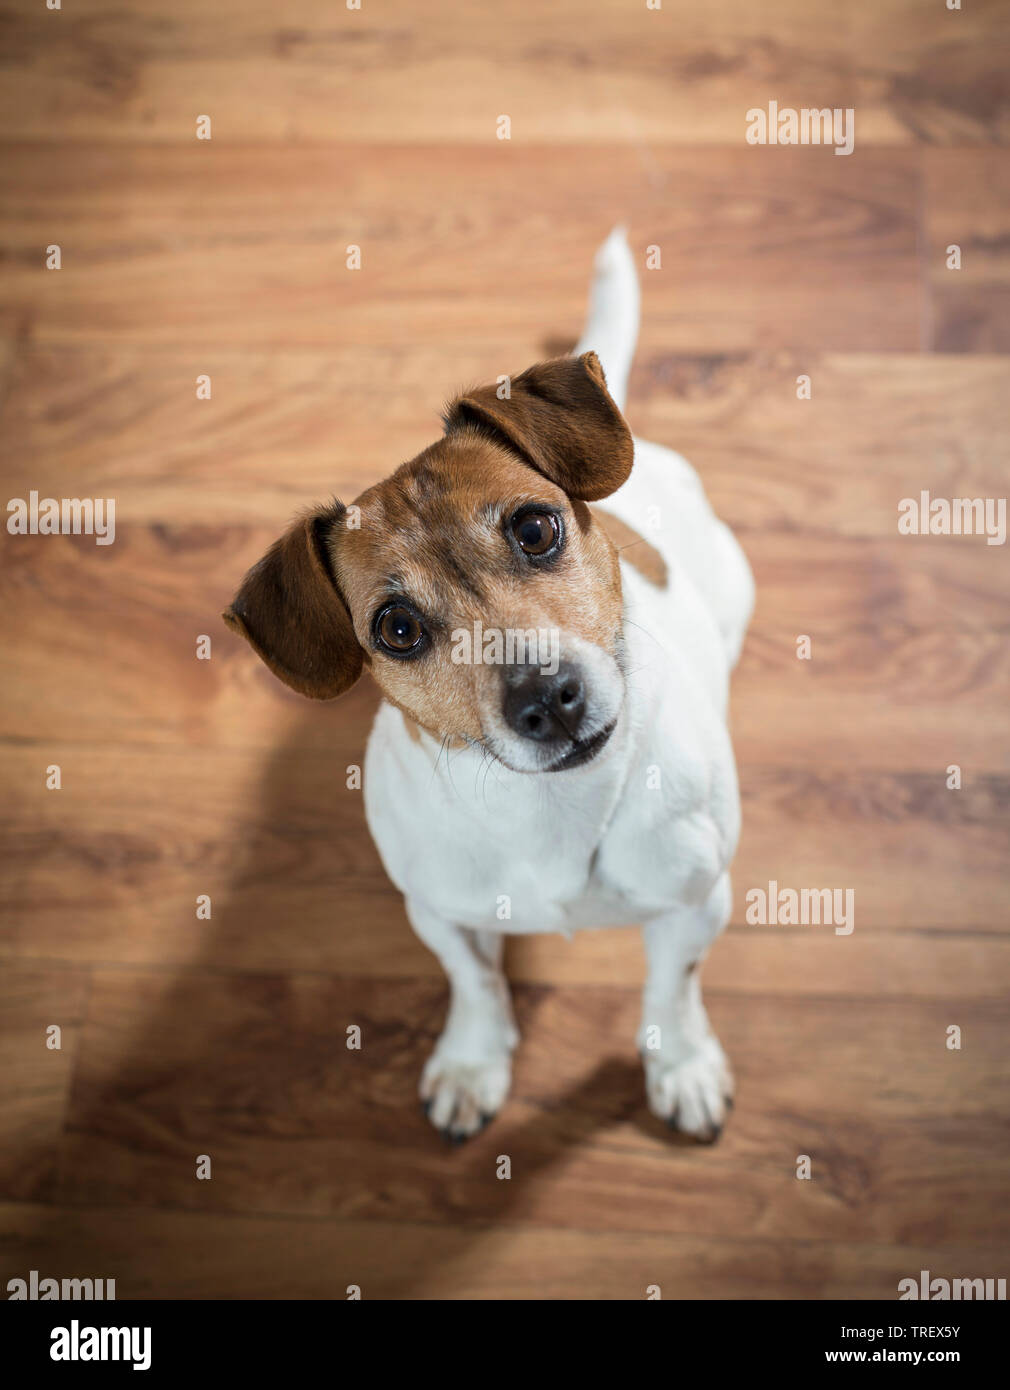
point(466, 1078)
point(687, 1076)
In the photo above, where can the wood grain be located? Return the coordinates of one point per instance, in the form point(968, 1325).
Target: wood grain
point(968, 205)
point(283, 426)
point(36, 1066)
point(145, 1103)
point(111, 866)
point(168, 246)
point(162, 1254)
point(567, 71)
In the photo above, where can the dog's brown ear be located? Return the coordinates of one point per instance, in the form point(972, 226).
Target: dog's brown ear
point(291, 613)
point(563, 421)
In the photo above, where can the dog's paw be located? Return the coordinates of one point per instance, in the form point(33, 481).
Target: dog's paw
point(460, 1097)
point(693, 1094)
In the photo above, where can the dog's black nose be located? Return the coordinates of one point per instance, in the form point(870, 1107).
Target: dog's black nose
point(542, 707)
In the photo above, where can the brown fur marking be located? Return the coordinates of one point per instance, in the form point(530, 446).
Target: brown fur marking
point(634, 549)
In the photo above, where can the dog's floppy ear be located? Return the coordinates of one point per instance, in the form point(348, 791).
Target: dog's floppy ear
point(291, 613)
point(560, 417)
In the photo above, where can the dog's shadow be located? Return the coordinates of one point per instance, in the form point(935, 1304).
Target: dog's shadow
point(258, 1066)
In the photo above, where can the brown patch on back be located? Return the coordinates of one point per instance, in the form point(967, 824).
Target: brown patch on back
point(633, 548)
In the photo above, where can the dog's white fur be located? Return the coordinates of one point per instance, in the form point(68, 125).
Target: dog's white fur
point(643, 833)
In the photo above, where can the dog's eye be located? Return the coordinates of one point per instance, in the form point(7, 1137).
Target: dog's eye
point(536, 532)
point(398, 630)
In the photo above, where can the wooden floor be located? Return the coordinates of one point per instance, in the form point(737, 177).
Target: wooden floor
point(181, 777)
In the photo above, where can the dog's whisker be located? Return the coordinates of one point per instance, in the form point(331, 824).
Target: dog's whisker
point(628, 622)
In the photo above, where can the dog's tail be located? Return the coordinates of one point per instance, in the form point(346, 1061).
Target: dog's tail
point(611, 329)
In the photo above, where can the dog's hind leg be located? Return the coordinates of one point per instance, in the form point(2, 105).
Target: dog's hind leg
point(611, 329)
point(467, 1077)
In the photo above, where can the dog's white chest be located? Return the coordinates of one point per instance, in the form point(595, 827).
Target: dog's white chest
point(651, 824)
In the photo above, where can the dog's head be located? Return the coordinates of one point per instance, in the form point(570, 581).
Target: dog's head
point(475, 583)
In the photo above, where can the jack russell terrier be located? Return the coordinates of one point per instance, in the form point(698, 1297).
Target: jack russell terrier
point(507, 793)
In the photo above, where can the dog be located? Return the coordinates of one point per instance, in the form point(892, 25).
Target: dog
point(513, 790)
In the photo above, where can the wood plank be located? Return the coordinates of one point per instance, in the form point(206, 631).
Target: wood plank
point(971, 318)
point(794, 712)
point(318, 931)
point(890, 656)
point(251, 1071)
point(563, 73)
point(875, 964)
point(284, 922)
point(968, 205)
point(166, 246)
point(176, 1254)
point(109, 868)
point(285, 428)
point(876, 429)
point(35, 1077)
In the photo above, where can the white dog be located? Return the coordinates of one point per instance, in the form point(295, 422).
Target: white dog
point(552, 751)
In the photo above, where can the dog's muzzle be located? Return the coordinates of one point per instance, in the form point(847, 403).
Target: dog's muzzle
point(551, 710)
